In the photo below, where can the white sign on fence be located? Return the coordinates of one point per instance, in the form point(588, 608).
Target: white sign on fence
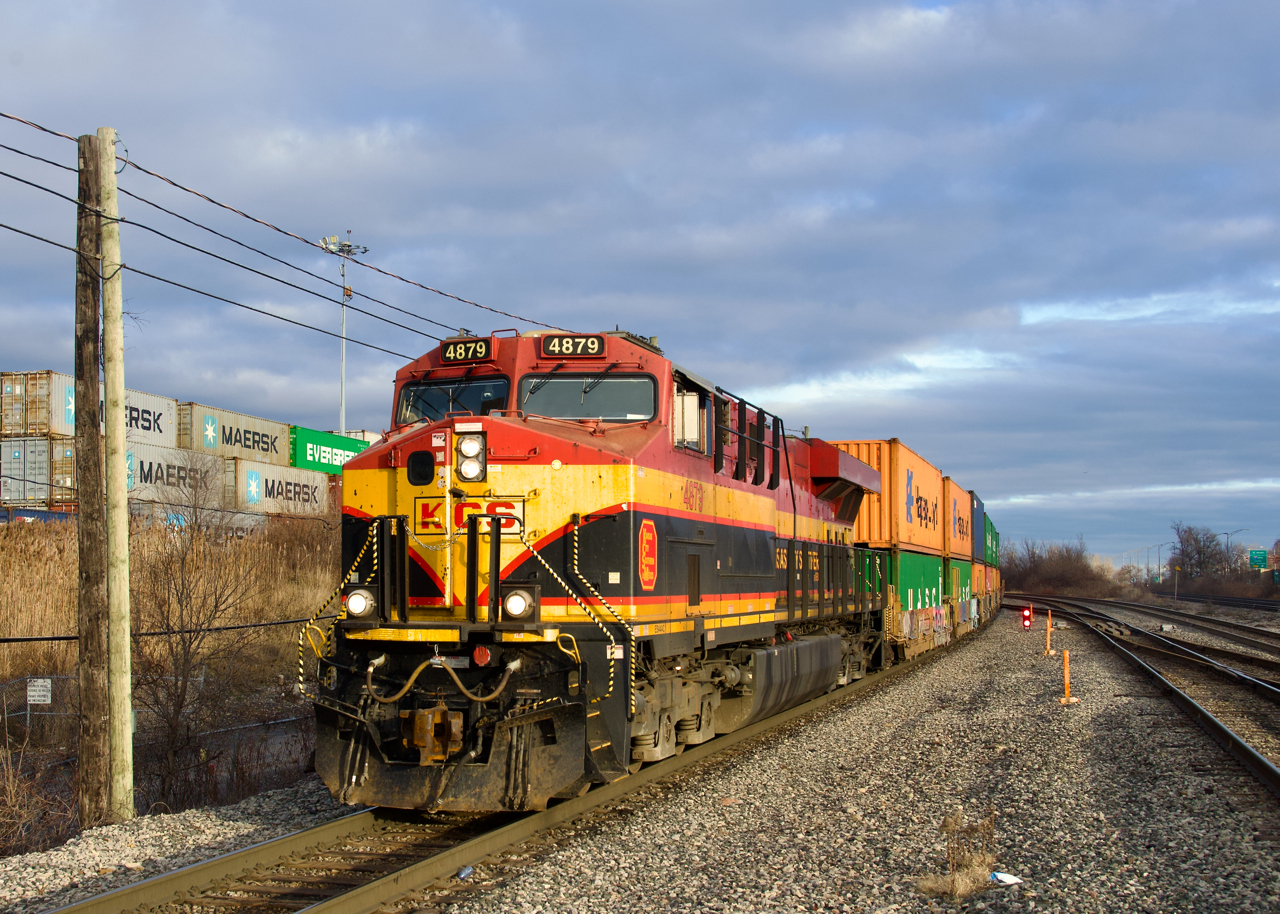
point(39, 691)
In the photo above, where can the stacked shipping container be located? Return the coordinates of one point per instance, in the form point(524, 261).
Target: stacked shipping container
point(936, 534)
point(179, 454)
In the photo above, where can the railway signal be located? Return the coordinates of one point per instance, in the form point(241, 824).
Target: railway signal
point(1026, 618)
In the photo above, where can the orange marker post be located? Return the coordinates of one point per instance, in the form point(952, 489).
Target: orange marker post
point(1066, 677)
point(1048, 627)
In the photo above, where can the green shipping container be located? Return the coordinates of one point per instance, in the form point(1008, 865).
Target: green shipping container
point(313, 450)
point(918, 579)
point(957, 578)
point(992, 550)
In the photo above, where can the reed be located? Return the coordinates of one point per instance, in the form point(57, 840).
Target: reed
point(293, 565)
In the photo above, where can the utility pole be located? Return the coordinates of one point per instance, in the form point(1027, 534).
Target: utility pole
point(343, 249)
point(121, 669)
point(94, 765)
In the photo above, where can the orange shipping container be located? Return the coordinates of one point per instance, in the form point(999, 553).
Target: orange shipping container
point(978, 577)
point(908, 511)
point(957, 520)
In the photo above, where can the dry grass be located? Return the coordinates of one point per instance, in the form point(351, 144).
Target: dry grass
point(283, 572)
point(37, 597)
point(970, 857)
point(295, 566)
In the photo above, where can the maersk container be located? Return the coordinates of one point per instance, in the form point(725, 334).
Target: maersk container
point(323, 451)
point(173, 476)
point(24, 471)
point(44, 403)
point(908, 511)
point(979, 528)
point(223, 433)
point(957, 520)
point(263, 488)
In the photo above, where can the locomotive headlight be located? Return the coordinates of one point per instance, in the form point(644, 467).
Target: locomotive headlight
point(471, 458)
point(518, 604)
point(359, 603)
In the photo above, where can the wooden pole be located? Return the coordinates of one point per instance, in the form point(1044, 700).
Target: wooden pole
point(93, 768)
point(121, 681)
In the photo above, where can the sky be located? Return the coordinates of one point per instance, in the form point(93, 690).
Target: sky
point(1035, 240)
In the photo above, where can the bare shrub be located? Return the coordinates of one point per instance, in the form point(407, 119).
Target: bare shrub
point(1063, 569)
point(970, 857)
point(35, 813)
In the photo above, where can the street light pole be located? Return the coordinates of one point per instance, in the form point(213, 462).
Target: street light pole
point(343, 249)
point(1228, 536)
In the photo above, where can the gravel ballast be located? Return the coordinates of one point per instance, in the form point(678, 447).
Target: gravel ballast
point(111, 856)
point(1118, 803)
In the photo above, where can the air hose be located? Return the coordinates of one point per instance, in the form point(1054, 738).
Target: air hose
point(436, 661)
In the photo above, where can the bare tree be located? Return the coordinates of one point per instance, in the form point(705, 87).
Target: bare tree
point(193, 576)
point(1061, 568)
point(1198, 552)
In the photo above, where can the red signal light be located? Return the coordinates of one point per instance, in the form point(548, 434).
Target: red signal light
point(1026, 617)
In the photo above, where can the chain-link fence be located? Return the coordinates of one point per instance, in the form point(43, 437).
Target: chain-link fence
point(41, 710)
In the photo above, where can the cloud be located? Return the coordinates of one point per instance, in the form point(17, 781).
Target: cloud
point(1033, 240)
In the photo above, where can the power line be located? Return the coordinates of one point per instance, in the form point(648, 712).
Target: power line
point(47, 190)
point(287, 320)
point(303, 270)
point(31, 155)
point(143, 225)
point(226, 260)
point(23, 120)
point(296, 237)
point(367, 266)
point(278, 279)
point(279, 317)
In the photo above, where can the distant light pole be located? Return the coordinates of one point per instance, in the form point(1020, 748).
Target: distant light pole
point(1159, 562)
point(1228, 536)
point(343, 249)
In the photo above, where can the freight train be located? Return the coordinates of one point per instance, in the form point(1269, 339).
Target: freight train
point(570, 557)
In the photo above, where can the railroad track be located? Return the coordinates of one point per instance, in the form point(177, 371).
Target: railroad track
point(1240, 712)
point(1232, 602)
point(362, 862)
point(1251, 636)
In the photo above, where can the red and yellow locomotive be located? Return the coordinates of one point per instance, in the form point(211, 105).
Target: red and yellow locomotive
point(570, 557)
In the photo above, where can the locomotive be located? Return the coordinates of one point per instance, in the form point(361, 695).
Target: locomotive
point(570, 557)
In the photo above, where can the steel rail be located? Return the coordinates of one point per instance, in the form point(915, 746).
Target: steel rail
point(1257, 764)
point(183, 886)
point(167, 888)
point(1219, 626)
point(1229, 602)
point(1185, 652)
point(1231, 631)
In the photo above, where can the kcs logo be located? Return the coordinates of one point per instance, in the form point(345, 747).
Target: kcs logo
point(430, 516)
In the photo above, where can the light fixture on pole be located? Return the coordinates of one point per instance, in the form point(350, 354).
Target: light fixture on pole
point(1228, 536)
point(343, 249)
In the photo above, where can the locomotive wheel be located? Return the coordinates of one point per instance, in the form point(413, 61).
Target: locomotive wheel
point(634, 767)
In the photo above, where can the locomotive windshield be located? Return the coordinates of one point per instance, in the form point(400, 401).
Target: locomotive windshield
point(431, 400)
point(611, 398)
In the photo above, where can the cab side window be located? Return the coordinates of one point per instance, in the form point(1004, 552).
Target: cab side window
point(689, 423)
